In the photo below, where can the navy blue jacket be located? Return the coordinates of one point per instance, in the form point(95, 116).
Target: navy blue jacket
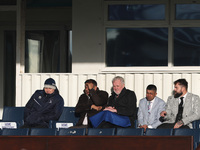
point(42, 107)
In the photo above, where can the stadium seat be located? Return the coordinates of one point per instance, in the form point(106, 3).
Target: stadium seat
point(12, 115)
point(71, 131)
point(99, 131)
point(197, 124)
point(67, 118)
point(189, 132)
point(159, 132)
point(136, 123)
point(24, 131)
point(130, 131)
point(43, 131)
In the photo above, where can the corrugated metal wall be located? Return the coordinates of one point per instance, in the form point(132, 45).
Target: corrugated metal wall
point(71, 85)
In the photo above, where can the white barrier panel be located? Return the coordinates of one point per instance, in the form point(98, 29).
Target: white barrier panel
point(71, 85)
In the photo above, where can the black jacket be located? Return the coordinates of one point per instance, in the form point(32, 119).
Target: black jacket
point(98, 98)
point(125, 104)
point(42, 107)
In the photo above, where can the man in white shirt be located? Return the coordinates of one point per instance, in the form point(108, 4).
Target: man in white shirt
point(150, 108)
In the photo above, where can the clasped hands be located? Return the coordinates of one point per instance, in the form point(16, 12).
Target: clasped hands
point(109, 108)
point(144, 127)
point(97, 108)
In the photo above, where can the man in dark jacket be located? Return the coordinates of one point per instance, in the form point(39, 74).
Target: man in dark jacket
point(90, 102)
point(123, 103)
point(43, 106)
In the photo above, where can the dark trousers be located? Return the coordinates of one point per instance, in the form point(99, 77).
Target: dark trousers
point(171, 126)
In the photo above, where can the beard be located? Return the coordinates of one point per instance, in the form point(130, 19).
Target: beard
point(176, 95)
point(117, 93)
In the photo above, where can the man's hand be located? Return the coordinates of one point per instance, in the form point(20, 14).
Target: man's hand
point(97, 108)
point(163, 113)
point(90, 86)
point(112, 109)
point(144, 127)
point(178, 124)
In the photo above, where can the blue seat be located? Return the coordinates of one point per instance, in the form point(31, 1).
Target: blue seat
point(24, 131)
point(189, 132)
point(99, 131)
point(159, 132)
point(72, 131)
point(43, 131)
point(196, 123)
point(136, 123)
point(130, 131)
point(68, 116)
point(13, 114)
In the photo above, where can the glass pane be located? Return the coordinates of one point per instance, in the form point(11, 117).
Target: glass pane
point(33, 56)
point(136, 12)
point(186, 46)
point(137, 47)
point(187, 11)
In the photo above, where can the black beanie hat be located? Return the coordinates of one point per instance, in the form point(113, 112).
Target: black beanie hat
point(50, 83)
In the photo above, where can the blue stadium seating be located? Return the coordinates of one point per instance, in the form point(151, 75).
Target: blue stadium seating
point(196, 123)
point(159, 132)
point(99, 131)
point(130, 131)
point(68, 116)
point(18, 132)
point(13, 114)
point(72, 131)
point(43, 131)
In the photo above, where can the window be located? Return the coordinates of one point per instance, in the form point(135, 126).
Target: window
point(187, 46)
point(137, 46)
point(187, 11)
point(44, 54)
point(136, 12)
point(156, 33)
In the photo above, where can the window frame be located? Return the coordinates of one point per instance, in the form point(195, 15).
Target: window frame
point(169, 22)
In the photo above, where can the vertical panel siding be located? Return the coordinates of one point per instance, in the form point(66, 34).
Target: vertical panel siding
point(71, 85)
point(139, 86)
point(195, 83)
point(158, 81)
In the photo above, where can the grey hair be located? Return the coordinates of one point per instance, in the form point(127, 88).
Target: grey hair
point(118, 78)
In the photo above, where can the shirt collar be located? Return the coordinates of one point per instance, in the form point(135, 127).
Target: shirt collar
point(151, 101)
point(184, 95)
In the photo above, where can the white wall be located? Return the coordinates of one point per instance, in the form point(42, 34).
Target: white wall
point(71, 85)
point(88, 54)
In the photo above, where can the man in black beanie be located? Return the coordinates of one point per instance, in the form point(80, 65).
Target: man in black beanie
point(43, 106)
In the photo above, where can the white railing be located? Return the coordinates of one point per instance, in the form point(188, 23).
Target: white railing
point(71, 85)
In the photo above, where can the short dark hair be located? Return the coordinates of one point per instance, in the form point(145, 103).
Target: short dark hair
point(91, 81)
point(182, 82)
point(152, 87)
